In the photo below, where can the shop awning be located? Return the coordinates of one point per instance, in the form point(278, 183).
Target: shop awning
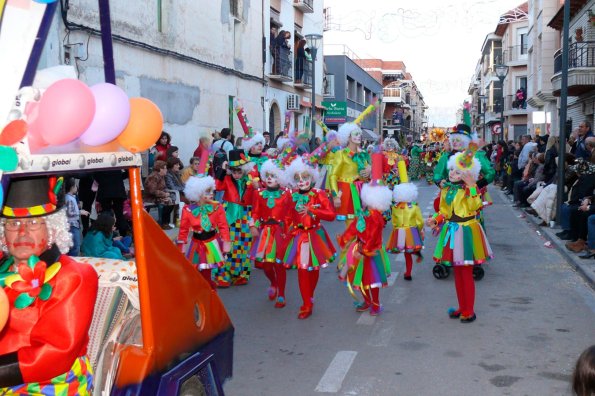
point(308, 105)
point(369, 134)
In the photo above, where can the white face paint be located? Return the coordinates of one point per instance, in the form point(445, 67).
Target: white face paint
point(455, 175)
point(457, 143)
point(207, 195)
point(390, 146)
point(303, 180)
point(271, 180)
point(356, 137)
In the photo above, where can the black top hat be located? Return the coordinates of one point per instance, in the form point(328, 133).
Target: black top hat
point(237, 158)
point(462, 128)
point(33, 197)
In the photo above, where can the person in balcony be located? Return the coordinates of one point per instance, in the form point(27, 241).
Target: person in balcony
point(300, 61)
point(281, 53)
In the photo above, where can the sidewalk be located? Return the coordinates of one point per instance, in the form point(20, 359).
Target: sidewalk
point(585, 267)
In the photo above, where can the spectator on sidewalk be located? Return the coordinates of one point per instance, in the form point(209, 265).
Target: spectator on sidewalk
point(191, 170)
point(159, 150)
point(111, 194)
point(98, 241)
point(584, 132)
point(156, 192)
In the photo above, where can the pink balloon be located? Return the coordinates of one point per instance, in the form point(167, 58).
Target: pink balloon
point(66, 110)
point(35, 144)
point(112, 111)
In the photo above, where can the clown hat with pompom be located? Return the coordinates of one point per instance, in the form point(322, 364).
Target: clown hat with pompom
point(196, 185)
point(404, 191)
point(375, 195)
point(251, 137)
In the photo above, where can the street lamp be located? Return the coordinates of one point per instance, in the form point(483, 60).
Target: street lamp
point(482, 111)
point(501, 72)
point(313, 41)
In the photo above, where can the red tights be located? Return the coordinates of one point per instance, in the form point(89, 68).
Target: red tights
point(372, 297)
point(206, 273)
point(307, 281)
point(408, 264)
point(275, 273)
point(465, 286)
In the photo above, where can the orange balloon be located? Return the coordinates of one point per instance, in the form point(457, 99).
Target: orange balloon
point(144, 126)
point(4, 308)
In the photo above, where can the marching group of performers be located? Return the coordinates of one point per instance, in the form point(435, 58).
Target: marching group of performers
point(272, 209)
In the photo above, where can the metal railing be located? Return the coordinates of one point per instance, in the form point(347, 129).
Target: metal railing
point(303, 71)
point(309, 3)
point(511, 102)
point(281, 62)
point(392, 92)
point(515, 53)
point(579, 55)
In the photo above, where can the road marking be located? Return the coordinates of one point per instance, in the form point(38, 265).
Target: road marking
point(381, 335)
point(333, 377)
point(392, 278)
point(366, 319)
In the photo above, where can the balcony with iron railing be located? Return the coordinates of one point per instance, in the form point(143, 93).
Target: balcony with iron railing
point(581, 69)
point(306, 6)
point(516, 55)
point(303, 73)
point(281, 61)
point(513, 105)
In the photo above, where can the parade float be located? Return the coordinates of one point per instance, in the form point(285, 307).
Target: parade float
point(158, 328)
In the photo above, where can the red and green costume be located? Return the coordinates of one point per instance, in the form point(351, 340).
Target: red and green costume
point(43, 347)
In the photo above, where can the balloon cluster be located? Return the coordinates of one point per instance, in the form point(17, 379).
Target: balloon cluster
point(102, 117)
point(437, 134)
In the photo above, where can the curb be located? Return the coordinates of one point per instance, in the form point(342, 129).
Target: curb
point(585, 268)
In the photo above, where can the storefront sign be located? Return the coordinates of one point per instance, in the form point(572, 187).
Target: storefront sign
point(336, 112)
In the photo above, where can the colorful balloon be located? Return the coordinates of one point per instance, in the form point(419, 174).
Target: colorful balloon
point(4, 308)
point(144, 127)
point(66, 110)
point(13, 133)
point(112, 111)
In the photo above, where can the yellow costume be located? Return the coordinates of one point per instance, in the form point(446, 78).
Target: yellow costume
point(345, 166)
point(407, 223)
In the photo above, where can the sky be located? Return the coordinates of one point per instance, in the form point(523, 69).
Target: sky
point(438, 40)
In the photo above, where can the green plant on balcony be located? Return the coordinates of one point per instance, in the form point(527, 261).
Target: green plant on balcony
point(592, 17)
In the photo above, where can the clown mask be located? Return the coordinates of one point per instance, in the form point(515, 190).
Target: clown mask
point(271, 180)
point(256, 149)
point(458, 143)
point(207, 196)
point(303, 180)
point(356, 137)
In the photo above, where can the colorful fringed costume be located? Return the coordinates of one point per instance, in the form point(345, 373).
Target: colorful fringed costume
point(344, 177)
point(309, 247)
point(389, 168)
point(269, 208)
point(407, 221)
point(45, 340)
point(415, 163)
point(367, 271)
point(207, 225)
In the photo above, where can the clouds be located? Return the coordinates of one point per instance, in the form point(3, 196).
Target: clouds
point(439, 41)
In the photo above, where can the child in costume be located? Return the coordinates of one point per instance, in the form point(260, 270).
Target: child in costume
point(309, 247)
point(366, 263)
point(205, 219)
point(233, 181)
point(462, 242)
point(269, 205)
point(391, 158)
point(407, 235)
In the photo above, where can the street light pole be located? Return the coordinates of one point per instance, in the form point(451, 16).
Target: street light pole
point(501, 72)
point(313, 41)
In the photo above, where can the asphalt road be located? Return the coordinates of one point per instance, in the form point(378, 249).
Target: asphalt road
point(535, 316)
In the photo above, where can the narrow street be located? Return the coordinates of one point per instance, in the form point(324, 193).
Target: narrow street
point(535, 316)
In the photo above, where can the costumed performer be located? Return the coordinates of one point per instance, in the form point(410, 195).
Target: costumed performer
point(367, 266)
point(205, 220)
point(268, 228)
point(233, 180)
point(349, 169)
point(43, 347)
point(252, 142)
point(462, 242)
point(407, 236)
point(391, 157)
point(415, 162)
point(309, 247)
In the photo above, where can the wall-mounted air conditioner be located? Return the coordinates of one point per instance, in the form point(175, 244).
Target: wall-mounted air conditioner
point(293, 102)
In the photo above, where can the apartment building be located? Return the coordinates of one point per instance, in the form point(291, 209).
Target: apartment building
point(404, 105)
point(190, 58)
point(349, 89)
point(581, 62)
point(289, 77)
